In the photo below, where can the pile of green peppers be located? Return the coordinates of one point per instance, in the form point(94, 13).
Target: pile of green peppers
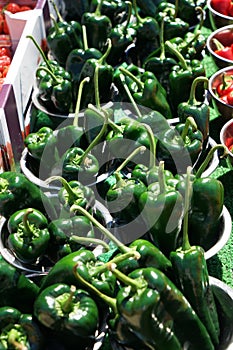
point(98, 283)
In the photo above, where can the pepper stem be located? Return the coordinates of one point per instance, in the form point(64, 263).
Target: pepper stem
point(84, 35)
point(85, 240)
point(56, 11)
point(188, 122)
point(73, 195)
point(67, 306)
point(202, 13)
point(113, 125)
point(77, 108)
point(40, 51)
point(123, 248)
point(53, 76)
point(152, 143)
point(127, 90)
point(98, 8)
point(208, 158)
point(135, 284)
point(161, 39)
point(111, 302)
point(133, 77)
point(129, 4)
point(161, 177)
point(26, 227)
point(118, 259)
point(192, 97)
point(174, 51)
point(96, 87)
point(218, 44)
point(187, 198)
point(105, 55)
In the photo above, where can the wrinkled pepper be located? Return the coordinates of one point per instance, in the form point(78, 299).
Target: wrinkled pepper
point(28, 234)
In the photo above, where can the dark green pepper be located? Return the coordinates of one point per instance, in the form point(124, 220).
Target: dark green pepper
point(19, 330)
point(162, 208)
point(191, 274)
point(173, 25)
point(14, 282)
point(182, 75)
point(70, 313)
point(116, 10)
point(17, 192)
point(98, 27)
point(187, 10)
point(199, 110)
point(28, 234)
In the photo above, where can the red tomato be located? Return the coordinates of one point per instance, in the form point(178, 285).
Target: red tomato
point(12, 7)
point(5, 51)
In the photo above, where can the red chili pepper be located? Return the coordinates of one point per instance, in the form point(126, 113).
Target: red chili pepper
point(224, 99)
point(223, 51)
point(12, 7)
point(225, 86)
point(230, 98)
point(221, 6)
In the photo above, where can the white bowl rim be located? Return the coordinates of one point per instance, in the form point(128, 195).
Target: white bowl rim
point(212, 35)
point(213, 76)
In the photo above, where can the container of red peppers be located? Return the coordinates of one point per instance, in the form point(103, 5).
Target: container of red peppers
point(221, 12)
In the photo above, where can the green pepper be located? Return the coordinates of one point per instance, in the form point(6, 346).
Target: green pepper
point(191, 273)
point(160, 65)
point(186, 325)
point(105, 78)
point(148, 8)
point(182, 75)
point(74, 192)
point(121, 35)
point(116, 10)
point(173, 25)
point(19, 330)
point(161, 208)
point(98, 27)
point(199, 110)
point(147, 34)
point(77, 58)
point(40, 141)
point(17, 192)
point(70, 313)
point(28, 234)
point(187, 10)
point(15, 282)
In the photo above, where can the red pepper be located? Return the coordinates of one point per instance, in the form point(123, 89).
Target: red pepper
point(223, 51)
point(224, 99)
point(12, 7)
point(230, 98)
point(225, 86)
point(221, 6)
point(230, 11)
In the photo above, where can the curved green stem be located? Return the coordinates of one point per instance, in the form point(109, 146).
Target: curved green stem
point(40, 51)
point(73, 195)
point(137, 150)
point(101, 112)
point(176, 8)
point(111, 302)
point(187, 198)
point(161, 39)
point(161, 177)
point(53, 76)
point(201, 23)
point(98, 8)
point(117, 260)
point(85, 240)
point(188, 122)
point(131, 76)
point(77, 108)
point(208, 158)
point(152, 143)
point(174, 51)
point(67, 305)
point(56, 11)
point(135, 284)
point(27, 230)
point(192, 97)
point(105, 55)
point(129, 4)
point(127, 90)
point(96, 87)
point(123, 248)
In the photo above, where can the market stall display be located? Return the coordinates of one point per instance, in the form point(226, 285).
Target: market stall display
point(117, 181)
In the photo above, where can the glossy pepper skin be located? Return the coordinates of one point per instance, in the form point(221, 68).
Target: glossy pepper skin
point(173, 25)
point(186, 324)
point(98, 27)
point(15, 282)
point(115, 10)
point(199, 110)
point(29, 235)
point(187, 10)
point(19, 330)
point(69, 312)
point(162, 209)
point(17, 192)
point(182, 75)
point(191, 273)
